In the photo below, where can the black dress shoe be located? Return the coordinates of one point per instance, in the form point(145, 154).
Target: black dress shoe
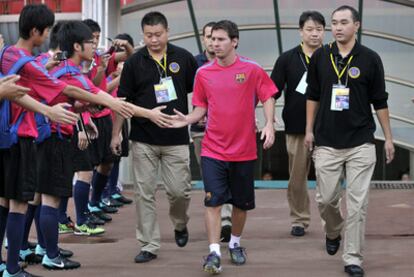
point(225, 233)
point(332, 245)
point(145, 256)
point(297, 231)
point(354, 270)
point(181, 237)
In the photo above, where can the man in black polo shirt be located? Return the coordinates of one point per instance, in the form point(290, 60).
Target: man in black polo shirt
point(344, 80)
point(290, 73)
point(160, 74)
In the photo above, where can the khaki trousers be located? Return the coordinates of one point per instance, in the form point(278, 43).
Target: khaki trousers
point(297, 193)
point(173, 163)
point(359, 163)
point(226, 209)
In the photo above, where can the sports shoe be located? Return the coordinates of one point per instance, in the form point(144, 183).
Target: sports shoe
point(32, 245)
point(121, 198)
point(110, 202)
point(144, 257)
point(212, 263)
point(88, 229)
point(107, 209)
point(59, 263)
point(40, 251)
point(94, 219)
point(238, 255)
point(20, 273)
point(65, 228)
point(99, 213)
point(29, 257)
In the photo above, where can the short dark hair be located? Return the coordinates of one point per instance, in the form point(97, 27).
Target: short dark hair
point(126, 37)
point(54, 44)
point(93, 25)
point(311, 15)
point(210, 24)
point(355, 14)
point(35, 16)
point(72, 32)
point(228, 26)
point(154, 18)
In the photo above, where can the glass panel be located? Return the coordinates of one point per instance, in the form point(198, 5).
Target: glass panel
point(397, 58)
point(179, 20)
point(291, 10)
point(241, 11)
point(388, 18)
point(399, 100)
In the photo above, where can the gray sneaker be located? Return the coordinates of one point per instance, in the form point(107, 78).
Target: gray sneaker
point(212, 263)
point(238, 255)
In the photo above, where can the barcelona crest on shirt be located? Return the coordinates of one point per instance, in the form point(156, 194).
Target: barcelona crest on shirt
point(240, 78)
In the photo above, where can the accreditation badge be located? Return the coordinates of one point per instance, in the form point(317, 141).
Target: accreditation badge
point(301, 88)
point(161, 93)
point(168, 81)
point(339, 98)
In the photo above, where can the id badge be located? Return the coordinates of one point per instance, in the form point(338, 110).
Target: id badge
point(168, 82)
point(161, 93)
point(301, 88)
point(340, 98)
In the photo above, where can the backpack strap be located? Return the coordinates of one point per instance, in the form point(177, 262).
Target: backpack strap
point(65, 70)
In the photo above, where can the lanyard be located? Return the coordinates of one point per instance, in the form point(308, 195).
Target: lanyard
point(163, 66)
point(336, 69)
point(306, 56)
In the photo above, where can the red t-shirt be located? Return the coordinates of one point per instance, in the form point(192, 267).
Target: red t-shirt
point(102, 85)
point(230, 94)
point(76, 79)
point(43, 88)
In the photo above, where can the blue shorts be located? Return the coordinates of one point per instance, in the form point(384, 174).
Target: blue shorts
point(228, 182)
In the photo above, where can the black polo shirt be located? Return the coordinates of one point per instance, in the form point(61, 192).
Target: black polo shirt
point(287, 73)
point(355, 126)
point(139, 75)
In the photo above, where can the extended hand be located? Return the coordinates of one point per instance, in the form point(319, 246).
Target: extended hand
point(268, 135)
point(59, 113)
point(9, 89)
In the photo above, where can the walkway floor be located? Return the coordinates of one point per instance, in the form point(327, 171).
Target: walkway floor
point(270, 248)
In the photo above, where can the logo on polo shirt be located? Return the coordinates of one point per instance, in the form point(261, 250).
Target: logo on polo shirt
point(240, 78)
point(174, 67)
point(354, 72)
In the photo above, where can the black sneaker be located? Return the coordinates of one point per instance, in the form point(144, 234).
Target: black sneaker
point(354, 270)
point(121, 198)
point(144, 256)
point(101, 215)
point(29, 257)
point(332, 245)
point(21, 273)
point(40, 251)
point(238, 255)
point(181, 237)
point(297, 231)
point(107, 209)
point(59, 263)
point(94, 219)
point(225, 233)
point(110, 202)
point(212, 263)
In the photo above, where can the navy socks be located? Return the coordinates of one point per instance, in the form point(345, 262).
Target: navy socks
point(49, 227)
point(81, 197)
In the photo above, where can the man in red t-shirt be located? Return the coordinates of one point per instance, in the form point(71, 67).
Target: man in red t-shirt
point(229, 88)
